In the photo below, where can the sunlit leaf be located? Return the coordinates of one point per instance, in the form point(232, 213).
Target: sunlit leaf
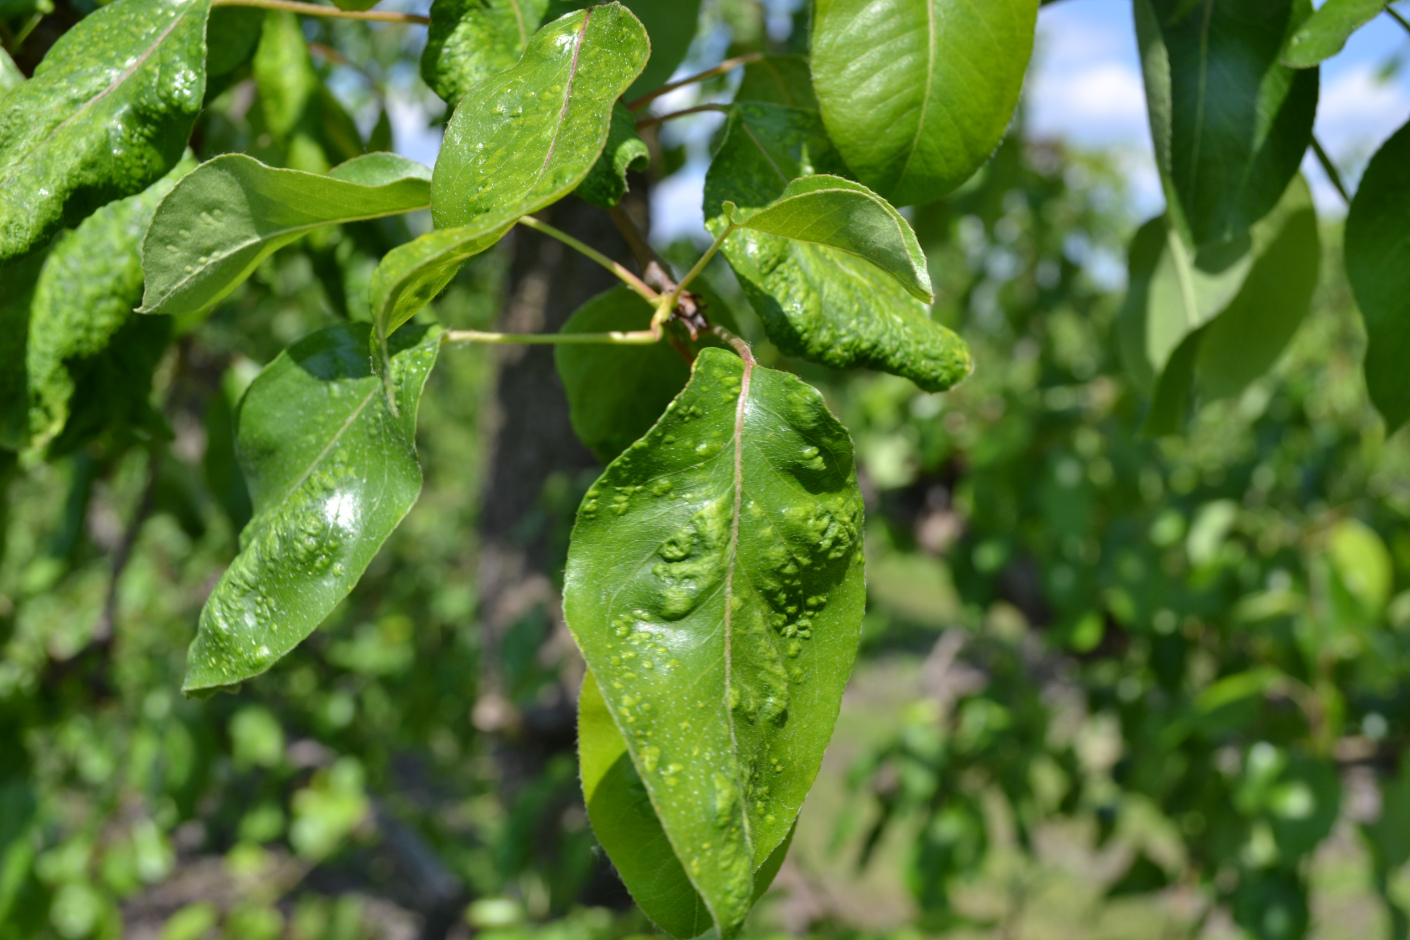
point(918, 93)
point(778, 79)
point(106, 114)
point(470, 40)
point(1327, 30)
point(332, 470)
point(714, 585)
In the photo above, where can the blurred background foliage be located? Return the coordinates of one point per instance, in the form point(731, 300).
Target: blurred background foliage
point(1111, 686)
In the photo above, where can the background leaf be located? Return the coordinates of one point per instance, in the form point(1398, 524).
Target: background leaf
point(816, 301)
point(744, 496)
point(231, 213)
point(106, 114)
point(1378, 266)
point(606, 182)
point(470, 40)
point(332, 471)
point(411, 275)
point(1229, 122)
point(1327, 30)
point(527, 137)
point(918, 93)
point(778, 79)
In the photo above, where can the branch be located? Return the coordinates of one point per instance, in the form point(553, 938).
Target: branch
point(614, 338)
point(644, 123)
point(1398, 18)
point(318, 9)
point(720, 69)
point(627, 277)
point(1330, 169)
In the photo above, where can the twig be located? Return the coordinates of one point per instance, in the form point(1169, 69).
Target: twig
point(640, 248)
point(106, 628)
point(630, 279)
point(615, 338)
point(1330, 169)
point(668, 303)
point(725, 66)
point(1398, 18)
point(318, 9)
point(644, 123)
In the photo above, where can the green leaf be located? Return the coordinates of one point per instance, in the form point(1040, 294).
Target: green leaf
point(779, 79)
point(106, 114)
point(714, 585)
point(671, 24)
point(606, 182)
point(918, 93)
point(332, 471)
point(231, 213)
point(300, 123)
point(1378, 266)
point(841, 214)
point(609, 416)
point(85, 295)
point(1230, 124)
point(628, 828)
point(815, 300)
point(16, 300)
point(470, 40)
point(10, 74)
point(1327, 30)
point(527, 137)
point(237, 31)
point(1221, 317)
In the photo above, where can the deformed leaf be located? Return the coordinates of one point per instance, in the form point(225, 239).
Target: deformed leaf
point(816, 300)
point(332, 471)
point(918, 93)
point(1327, 30)
point(1378, 266)
point(106, 114)
point(1229, 122)
point(628, 828)
point(470, 40)
point(778, 79)
point(841, 214)
point(232, 212)
point(615, 393)
point(85, 295)
point(527, 137)
point(714, 585)
point(606, 182)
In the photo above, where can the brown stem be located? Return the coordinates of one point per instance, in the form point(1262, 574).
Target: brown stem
point(636, 241)
point(106, 628)
point(720, 69)
point(644, 123)
point(318, 9)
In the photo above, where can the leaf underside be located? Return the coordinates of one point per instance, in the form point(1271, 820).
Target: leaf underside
point(714, 585)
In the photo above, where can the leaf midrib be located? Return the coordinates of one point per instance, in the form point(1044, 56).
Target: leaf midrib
point(567, 92)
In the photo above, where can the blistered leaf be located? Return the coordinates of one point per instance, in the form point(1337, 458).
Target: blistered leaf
point(231, 213)
point(838, 213)
point(1378, 266)
point(106, 114)
point(1229, 122)
point(815, 300)
point(615, 393)
point(918, 93)
point(470, 40)
point(527, 137)
point(332, 471)
point(606, 182)
point(778, 79)
point(714, 585)
point(1327, 30)
point(85, 295)
point(628, 828)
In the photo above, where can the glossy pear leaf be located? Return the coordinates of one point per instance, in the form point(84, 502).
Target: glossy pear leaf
point(106, 114)
point(606, 182)
point(714, 584)
point(841, 214)
point(778, 79)
point(411, 275)
point(85, 295)
point(1326, 31)
point(231, 213)
point(1191, 325)
point(918, 93)
point(628, 828)
point(527, 137)
point(616, 393)
point(1230, 123)
point(332, 471)
point(1378, 266)
point(817, 301)
point(470, 40)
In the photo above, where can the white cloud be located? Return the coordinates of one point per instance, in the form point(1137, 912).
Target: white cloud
point(1103, 102)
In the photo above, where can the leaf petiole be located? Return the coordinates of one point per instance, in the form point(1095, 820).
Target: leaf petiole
point(318, 9)
point(668, 303)
point(725, 66)
point(614, 338)
point(1398, 18)
point(1330, 169)
point(631, 280)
